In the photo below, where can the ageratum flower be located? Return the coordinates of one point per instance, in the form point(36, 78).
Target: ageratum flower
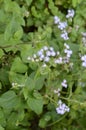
point(70, 14)
point(64, 83)
point(56, 19)
point(64, 35)
point(62, 25)
point(62, 108)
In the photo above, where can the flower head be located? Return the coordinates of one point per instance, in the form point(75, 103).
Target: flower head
point(62, 108)
point(70, 14)
point(64, 83)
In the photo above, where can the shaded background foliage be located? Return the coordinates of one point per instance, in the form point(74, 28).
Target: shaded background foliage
point(25, 27)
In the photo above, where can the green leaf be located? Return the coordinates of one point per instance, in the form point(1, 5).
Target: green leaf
point(13, 29)
point(35, 104)
point(30, 84)
point(28, 2)
point(9, 100)
point(4, 78)
point(26, 51)
point(39, 83)
point(25, 92)
point(18, 34)
point(1, 128)
point(18, 66)
point(44, 120)
point(74, 3)
point(17, 78)
point(2, 118)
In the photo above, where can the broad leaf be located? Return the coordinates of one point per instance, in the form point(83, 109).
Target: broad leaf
point(35, 103)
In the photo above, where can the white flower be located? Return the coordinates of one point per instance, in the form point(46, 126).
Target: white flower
point(84, 64)
point(65, 59)
point(68, 52)
point(57, 52)
point(14, 84)
point(57, 92)
point(51, 48)
point(62, 25)
point(64, 35)
point(64, 83)
point(46, 59)
point(83, 34)
point(66, 45)
point(83, 58)
point(62, 108)
point(45, 48)
point(32, 59)
point(37, 60)
point(56, 19)
point(44, 65)
point(28, 58)
point(34, 56)
point(59, 60)
point(70, 13)
point(53, 53)
point(40, 53)
point(41, 57)
point(48, 53)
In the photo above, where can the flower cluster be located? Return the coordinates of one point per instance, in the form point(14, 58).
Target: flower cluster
point(43, 55)
point(68, 53)
point(62, 26)
point(83, 58)
point(66, 58)
point(62, 108)
point(46, 54)
point(64, 35)
point(70, 13)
